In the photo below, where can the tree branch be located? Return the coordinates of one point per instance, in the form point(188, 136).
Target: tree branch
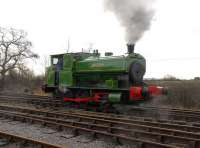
point(14, 48)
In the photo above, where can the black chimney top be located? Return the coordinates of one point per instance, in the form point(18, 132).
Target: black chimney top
point(131, 48)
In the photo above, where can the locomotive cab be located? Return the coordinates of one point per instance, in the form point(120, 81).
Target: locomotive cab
point(57, 65)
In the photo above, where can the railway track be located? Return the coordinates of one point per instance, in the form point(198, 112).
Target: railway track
point(24, 141)
point(145, 128)
point(142, 133)
point(167, 113)
point(22, 95)
point(158, 113)
point(43, 101)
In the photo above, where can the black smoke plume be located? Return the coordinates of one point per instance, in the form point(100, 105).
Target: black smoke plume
point(134, 15)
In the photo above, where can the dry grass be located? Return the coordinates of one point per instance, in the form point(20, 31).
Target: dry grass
point(182, 93)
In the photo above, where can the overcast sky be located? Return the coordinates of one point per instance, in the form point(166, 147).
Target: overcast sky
point(171, 46)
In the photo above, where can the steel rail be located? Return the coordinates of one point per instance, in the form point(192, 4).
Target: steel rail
point(117, 133)
point(37, 101)
point(171, 116)
point(122, 121)
point(134, 107)
point(170, 110)
point(195, 111)
point(25, 96)
point(157, 115)
point(136, 125)
point(134, 121)
point(194, 143)
point(126, 118)
point(189, 112)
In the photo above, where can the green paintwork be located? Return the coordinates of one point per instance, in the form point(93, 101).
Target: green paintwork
point(68, 62)
point(108, 64)
point(66, 78)
point(111, 83)
point(94, 64)
point(102, 72)
point(114, 97)
point(50, 77)
point(66, 75)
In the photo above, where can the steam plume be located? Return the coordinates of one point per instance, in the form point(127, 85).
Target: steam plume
point(134, 15)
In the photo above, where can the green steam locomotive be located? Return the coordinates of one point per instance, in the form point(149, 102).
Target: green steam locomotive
point(85, 77)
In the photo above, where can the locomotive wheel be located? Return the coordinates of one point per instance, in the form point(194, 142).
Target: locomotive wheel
point(136, 73)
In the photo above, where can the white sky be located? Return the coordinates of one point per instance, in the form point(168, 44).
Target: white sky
point(171, 46)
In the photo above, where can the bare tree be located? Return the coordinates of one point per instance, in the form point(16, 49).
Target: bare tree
point(14, 49)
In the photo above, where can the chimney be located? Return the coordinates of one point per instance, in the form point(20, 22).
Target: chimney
point(130, 48)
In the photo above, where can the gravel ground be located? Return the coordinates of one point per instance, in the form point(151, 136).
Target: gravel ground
point(64, 138)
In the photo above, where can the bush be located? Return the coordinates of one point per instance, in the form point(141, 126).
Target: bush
point(181, 93)
point(22, 81)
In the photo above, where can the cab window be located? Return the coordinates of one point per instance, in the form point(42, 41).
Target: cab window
point(55, 61)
